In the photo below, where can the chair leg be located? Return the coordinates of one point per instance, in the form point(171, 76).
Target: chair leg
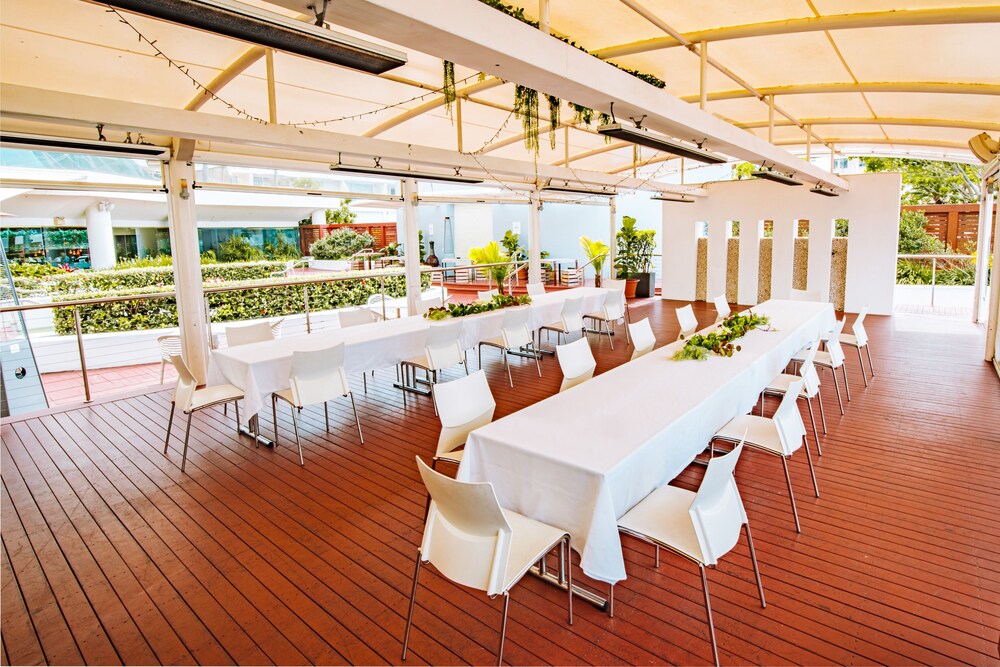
point(708, 612)
point(868, 351)
point(357, 420)
point(611, 339)
point(506, 363)
point(170, 422)
point(812, 418)
point(864, 376)
point(236, 409)
point(295, 427)
point(756, 569)
point(163, 367)
point(187, 437)
point(847, 386)
point(568, 569)
point(791, 495)
point(836, 384)
point(409, 614)
point(326, 415)
point(534, 353)
point(364, 378)
point(503, 627)
point(628, 336)
point(812, 470)
point(611, 601)
point(274, 416)
point(480, 356)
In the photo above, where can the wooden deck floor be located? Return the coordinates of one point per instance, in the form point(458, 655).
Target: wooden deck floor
point(112, 555)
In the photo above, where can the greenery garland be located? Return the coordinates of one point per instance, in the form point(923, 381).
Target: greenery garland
point(554, 108)
point(720, 341)
point(448, 87)
point(462, 309)
point(526, 108)
point(582, 114)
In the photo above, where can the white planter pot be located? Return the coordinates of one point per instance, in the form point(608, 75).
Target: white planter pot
point(330, 264)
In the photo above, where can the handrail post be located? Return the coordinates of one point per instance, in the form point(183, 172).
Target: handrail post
point(83, 358)
point(933, 278)
point(305, 304)
point(381, 290)
point(208, 324)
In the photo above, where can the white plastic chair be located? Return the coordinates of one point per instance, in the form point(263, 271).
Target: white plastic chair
point(781, 435)
point(276, 327)
point(701, 526)
point(806, 295)
point(858, 340)
point(688, 322)
point(514, 336)
point(352, 317)
point(642, 337)
point(471, 540)
point(612, 311)
point(810, 388)
point(463, 406)
point(832, 359)
point(536, 289)
point(577, 363)
point(190, 399)
point(442, 350)
point(170, 346)
point(721, 308)
point(251, 333)
point(570, 319)
point(487, 295)
point(317, 377)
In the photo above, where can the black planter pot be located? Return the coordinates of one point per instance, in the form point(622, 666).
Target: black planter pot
point(646, 286)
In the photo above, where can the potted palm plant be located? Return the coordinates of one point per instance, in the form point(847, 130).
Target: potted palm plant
point(596, 252)
point(491, 253)
point(515, 252)
point(635, 257)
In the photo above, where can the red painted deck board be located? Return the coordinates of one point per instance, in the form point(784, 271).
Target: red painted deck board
point(112, 555)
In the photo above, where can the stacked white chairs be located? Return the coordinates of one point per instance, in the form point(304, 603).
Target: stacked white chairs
point(190, 400)
point(831, 359)
point(317, 377)
point(688, 322)
point(700, 526)
point(515, 336)
point(612, 311)
point(780, 435)
point(857, 340)
point(642, 337)
point(722, 308)
point(536, 289)
point(806, 295)
point(250, 333)
point(487, 295)
point(570, 319)
point(443, 349)
point(473, 541)
point(463, 406)
point(810, 388)
point(577, 363)
point(170, 346)
point(276, 327)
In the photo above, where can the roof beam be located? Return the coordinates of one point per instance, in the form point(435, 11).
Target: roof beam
point(862, 87)
point(430, 105)
point(863, 120)
point(231, 71)
point(848, 141)
point(615, 145)
point(903, 17)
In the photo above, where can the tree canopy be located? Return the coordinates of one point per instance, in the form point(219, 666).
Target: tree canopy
point(930, 181)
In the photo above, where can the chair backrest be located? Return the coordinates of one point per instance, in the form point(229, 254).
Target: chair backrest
point(572, 314)
point(443, 347)
point(535, 289)
point(687, 320)
point(186, 384)
point(466, 536)
point(353, 317)
point(788, 419)
point(722, 307)
point(318, 376)
point(252, 333)
point(859, 327)
point(717, 511)
point(276, 327)
point(614, 305)
point(577, 363)
point(806, 295)
point(515, 331)
point(616, 285)
point(488, 295)
point(807, 371)
point(423, 305)
point(642, 337)
point(170, 346)
point(463, 405)
point(833, 343)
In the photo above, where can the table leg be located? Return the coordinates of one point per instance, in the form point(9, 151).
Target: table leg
point(252, 430)
point(580, 592)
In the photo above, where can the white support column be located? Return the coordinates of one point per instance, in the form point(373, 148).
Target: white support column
point(411, 243)
point(719, 233)
point(101, 235)
point(820, 251)
point(981, 290)
point(680, 256)
point(993, 327)
point(145, 241)
point(318, 217)
point(183, 224)
point(749, 270)
point(535, 239)
point(782, 257)
point(612, 237)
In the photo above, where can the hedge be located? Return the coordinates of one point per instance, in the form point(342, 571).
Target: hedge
point(153, 276)
point(224, 306)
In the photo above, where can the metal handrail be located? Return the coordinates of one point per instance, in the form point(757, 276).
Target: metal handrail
point(934, 259)
point(580, 270)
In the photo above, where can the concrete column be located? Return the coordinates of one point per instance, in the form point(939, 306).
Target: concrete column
point(535, 239)
point(783, 257)
point(612, 238)
point(411, 244)
point(183, 225)
point(145, 241)
point(680, 256)
point(719, 233)
point(749, 269)
point(980, 290)
point(820, 256)
point(100, 235)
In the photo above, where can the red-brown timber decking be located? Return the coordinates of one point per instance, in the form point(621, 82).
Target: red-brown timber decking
point(112, 555)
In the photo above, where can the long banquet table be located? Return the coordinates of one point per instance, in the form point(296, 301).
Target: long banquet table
point(261, 368)
point(581, 459)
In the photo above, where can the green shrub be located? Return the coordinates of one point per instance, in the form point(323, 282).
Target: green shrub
point(152, 277)
point(281, 249)
point(238, 248)
point(19, 270)
point(913, 239)
point(949, 272)
point(224, 307)
point(340, 244)
point(144, 262)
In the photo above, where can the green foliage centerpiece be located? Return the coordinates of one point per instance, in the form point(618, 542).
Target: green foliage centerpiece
point(721, 341)
point(462, 309)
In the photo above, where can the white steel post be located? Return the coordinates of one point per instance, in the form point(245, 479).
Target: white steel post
point(535, 239)
point(411, 244)
point(980, 291)
point(612, 243)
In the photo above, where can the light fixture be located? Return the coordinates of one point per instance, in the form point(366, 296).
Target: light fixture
point(379, 170)
point(605, 191)
point(820, 190)
point(666, 196)
point(778, 177)
point(106, 148)
point(643, 137)
point(257, 26)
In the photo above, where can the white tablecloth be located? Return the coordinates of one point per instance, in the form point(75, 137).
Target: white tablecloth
point(261, 368)
point(581, 459)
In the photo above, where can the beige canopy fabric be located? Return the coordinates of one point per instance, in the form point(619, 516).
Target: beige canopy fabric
point(899, 77)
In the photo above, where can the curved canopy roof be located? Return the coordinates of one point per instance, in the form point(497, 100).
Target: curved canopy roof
point(901, 77)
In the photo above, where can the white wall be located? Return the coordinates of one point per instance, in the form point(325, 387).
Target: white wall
point(473, 227)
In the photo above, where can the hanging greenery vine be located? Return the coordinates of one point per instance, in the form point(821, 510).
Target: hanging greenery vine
point(582, 114)
point(526, 108)
point(604, 119)
point(448, 87)
point(554, 107)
